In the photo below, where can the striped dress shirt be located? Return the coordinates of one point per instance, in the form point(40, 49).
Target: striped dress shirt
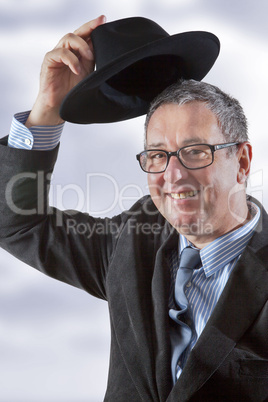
point(41, 138)
point(218, 258)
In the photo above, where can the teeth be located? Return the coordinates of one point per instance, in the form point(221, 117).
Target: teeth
point(180, 196)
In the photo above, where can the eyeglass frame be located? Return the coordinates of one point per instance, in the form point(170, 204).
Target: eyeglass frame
point(213, 149)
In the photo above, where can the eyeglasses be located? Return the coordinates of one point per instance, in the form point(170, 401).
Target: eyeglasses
point(197, 156)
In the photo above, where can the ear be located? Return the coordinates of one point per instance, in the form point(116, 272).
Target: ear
point(244, 161)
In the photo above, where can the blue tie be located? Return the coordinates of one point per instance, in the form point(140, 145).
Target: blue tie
point(181, 334)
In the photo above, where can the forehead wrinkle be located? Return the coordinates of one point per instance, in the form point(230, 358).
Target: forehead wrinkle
point(164, 144)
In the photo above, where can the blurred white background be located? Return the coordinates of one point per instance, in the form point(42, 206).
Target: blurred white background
point(54, 339)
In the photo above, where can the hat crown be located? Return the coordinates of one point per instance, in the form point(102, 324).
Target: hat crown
point(115, 39)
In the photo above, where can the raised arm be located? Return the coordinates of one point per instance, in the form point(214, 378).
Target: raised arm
point(39, 235)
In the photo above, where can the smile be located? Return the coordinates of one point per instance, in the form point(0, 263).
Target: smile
point(181, 196)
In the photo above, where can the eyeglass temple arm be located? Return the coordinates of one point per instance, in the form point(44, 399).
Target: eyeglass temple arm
point(220, 146)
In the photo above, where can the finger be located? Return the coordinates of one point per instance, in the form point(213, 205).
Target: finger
point(85, 30)
point(57, 57)
point(77, 45)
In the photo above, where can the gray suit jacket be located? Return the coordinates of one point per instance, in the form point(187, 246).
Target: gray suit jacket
point(125, 261)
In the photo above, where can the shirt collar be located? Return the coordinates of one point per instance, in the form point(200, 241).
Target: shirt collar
point(227, 247)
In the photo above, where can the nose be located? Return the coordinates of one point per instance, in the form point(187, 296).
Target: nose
point(175, 171)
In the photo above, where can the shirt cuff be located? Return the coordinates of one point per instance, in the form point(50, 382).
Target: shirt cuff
point(41, 138)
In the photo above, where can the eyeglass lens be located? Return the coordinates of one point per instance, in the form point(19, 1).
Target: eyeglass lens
point(193, 157)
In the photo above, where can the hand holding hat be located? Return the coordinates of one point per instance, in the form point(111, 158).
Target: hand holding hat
point(135, 61)
point(65, 66)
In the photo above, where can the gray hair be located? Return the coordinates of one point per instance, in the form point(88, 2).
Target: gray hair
point(228, 111)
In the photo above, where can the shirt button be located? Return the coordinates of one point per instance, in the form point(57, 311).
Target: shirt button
point(27, 141)
point(189, 284)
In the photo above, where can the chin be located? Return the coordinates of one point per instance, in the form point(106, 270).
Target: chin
point(192, 227)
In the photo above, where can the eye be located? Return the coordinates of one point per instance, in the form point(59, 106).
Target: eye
point(156, 155)
point(192, 151)
point(200, 152)
point(196, 152)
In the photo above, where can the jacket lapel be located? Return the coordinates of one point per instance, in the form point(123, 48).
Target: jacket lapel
point(138, 294)
point(160, 294)
point(242, 299)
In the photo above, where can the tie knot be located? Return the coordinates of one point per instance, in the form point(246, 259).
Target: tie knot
point(190, 258)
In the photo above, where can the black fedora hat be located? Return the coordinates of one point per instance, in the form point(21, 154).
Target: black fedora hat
point(135, 60)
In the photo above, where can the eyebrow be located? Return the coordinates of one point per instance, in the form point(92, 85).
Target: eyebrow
point(193, 140)
point(155, 145)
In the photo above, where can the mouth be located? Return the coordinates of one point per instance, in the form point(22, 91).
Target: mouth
point(183, 195)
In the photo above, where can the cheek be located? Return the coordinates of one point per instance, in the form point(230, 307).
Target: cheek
point(215, 190)
point(210, 185)
point(204, 180)
point(155, 184)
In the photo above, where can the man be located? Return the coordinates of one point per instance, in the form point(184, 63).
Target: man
point(213, 345)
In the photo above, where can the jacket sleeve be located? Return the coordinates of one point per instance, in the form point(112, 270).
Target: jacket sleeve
point(69, 246)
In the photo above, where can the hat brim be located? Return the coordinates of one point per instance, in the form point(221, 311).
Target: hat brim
point(124, 88)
